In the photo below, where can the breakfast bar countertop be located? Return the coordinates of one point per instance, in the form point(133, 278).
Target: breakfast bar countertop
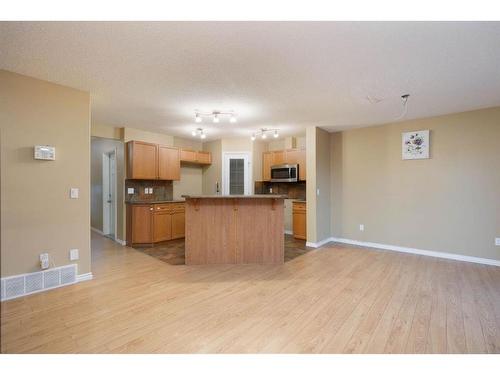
point(254, 196)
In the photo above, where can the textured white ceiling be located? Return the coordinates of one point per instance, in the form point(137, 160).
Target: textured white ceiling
point(285, 75)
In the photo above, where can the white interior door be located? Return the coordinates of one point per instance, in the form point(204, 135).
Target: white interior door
point(109, 193)
point(236, 174)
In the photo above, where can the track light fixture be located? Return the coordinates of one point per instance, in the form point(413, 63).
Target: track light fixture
point(263, 133)
point(199, 132)
point(215, 115)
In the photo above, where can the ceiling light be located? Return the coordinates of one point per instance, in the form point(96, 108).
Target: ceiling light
point(193, 133)
point(197, 118)
point(203, 135)
point(216, 118)
point(232, 119)
point(263, 133)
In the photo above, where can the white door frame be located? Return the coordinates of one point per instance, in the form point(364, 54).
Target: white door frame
point(247, 156)
point(106, 208)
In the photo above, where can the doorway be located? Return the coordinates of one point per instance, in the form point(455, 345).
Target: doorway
point(236, 174)
point(109, 194)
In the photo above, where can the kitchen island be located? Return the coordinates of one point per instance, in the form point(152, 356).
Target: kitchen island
point(234, 229)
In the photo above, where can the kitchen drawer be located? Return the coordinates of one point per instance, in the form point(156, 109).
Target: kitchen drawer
point(299, 206)
point(162, 207)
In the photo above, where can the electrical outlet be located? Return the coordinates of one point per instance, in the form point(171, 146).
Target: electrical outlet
point(44, 261)
point(497, 241)
point(74, 193)
point(317, 192)
point(130, 190)
point(146, 190)
point(73, 254)
point(362, 227)
point(150, 190)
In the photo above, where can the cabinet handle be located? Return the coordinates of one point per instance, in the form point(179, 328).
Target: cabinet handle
point(151, 209)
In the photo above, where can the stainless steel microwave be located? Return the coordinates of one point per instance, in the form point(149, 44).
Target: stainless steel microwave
point(285, 173)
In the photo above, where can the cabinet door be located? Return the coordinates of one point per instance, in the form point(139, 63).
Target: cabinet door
point(188, 155)
point(162, 226)
point(141, 223)
point(178, 225)
point(204, 157)
point(292, 156)
point(278, 157)
point(169, 163)
point(142, 160)
point(267, 161)
point(299, 225)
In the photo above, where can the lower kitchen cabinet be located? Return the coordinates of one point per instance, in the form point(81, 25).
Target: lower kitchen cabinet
point(299, 220)
point(151, 223)
point(162, 226)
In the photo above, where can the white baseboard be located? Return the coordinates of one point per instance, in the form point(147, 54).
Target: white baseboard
point(121, 242)
point(288, 231)
point(97, 231)
point(430, 253)
point(84, 277)
point(319, 244)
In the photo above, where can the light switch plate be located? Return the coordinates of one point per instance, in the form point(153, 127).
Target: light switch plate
point(362, 227)
point(497, 241)
point(73, 254)
point(130, 190)
point(74, 193)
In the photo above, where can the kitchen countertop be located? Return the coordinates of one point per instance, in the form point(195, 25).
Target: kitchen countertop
point(156, 202)
point(255, 196)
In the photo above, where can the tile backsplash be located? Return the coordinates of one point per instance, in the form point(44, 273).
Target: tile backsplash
point(161, 190)
point(294, 190)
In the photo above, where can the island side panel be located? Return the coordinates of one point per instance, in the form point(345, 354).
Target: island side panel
point(260, 231)
point(210, 231)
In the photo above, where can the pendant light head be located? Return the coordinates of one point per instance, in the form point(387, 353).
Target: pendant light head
point(203, 135)
point(264, 136)
point(232, 119)
point(216, 118)
point(275, 135)
point(253, 137)
point(197, 118)
point(193, 133)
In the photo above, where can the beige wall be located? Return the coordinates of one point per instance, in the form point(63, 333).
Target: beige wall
point(318, 182)
point(213, 172)
point(448, 203)
point(99, 146)
point(132, 134)
point(191, 181)
point(37, 214)
point(106, 131)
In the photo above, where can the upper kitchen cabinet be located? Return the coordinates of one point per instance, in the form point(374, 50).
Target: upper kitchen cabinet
point(297, 156)
point(169, 165)
point(292, 156)
point(196, 157)
point(142, 160)
point(149, 161)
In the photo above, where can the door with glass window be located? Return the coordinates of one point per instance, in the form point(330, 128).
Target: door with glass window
point(236, 174)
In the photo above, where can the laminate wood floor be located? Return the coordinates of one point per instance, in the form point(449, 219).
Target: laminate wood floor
point(335, 299)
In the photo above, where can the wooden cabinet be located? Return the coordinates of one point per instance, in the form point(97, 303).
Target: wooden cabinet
point(151, 223)
point(162, 226)
point(140, 228)
point(196, 157)
point(178, 221)
point(149, 161)
point(169, 166)
point(267, 162)
point(292, 156)
point(278, 157)
point(204, 157)
point(142, 160)
point(299, 214)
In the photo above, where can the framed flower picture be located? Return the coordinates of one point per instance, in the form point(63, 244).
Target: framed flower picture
point(416, 145)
